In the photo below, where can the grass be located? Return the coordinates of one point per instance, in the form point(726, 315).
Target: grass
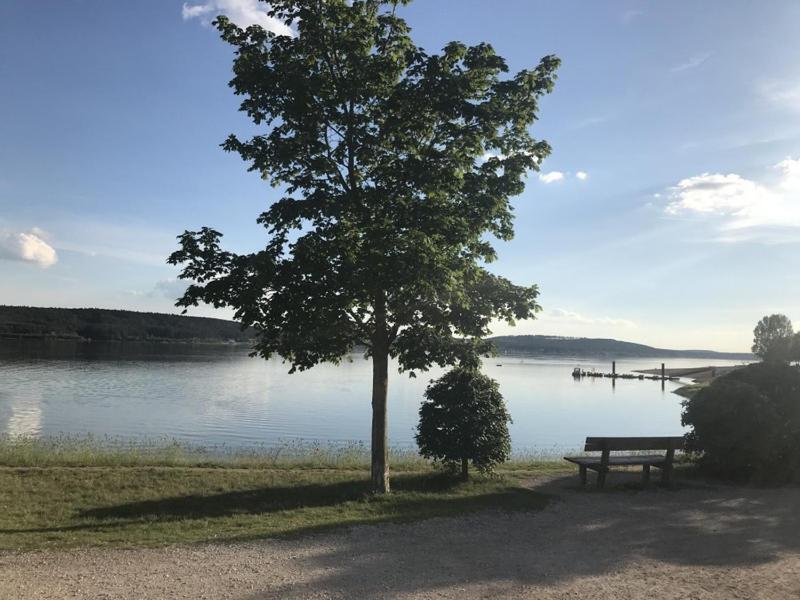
point(67, 492)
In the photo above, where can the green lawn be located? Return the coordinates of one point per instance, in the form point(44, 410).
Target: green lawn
point(122, 505)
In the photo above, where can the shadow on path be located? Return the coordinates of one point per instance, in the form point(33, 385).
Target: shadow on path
point(587, 533)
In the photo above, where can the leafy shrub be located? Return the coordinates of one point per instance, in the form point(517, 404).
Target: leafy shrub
point(746, 425)
point(463, 419)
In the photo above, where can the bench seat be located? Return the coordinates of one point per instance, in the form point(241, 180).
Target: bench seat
point(626, 460)
point(606, 445)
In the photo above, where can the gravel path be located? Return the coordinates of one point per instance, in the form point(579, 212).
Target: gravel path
point(697, 542)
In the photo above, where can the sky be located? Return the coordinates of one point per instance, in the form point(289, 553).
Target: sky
point(667, 214)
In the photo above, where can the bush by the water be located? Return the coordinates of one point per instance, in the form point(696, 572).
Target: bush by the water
point(464, 419)
point(746, 425)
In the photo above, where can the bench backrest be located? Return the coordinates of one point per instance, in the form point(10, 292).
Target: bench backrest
point(599, 444)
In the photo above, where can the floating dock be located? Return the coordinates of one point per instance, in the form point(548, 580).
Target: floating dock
point(579, 373)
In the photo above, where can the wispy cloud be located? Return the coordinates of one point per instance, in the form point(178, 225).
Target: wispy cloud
point(737, 204)
point(170, 288)
point(582, 175)
point(242, 12)
point(568, 316)
point(588, 122)
point(27, 247)
point(693, 62)
point(551, 176)
point(785, 94)
point(564, 322)
point(629, 16)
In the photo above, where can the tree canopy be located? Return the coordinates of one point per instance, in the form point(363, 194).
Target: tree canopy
point(772, 338)
point(396, 167)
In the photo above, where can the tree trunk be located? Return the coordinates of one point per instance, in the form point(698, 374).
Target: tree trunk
point(380, 450)
point(380, 388)
point(464, 469)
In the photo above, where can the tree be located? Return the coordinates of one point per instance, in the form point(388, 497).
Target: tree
point(397, 167)
point(463, 419)
point(794, 353)
point(772, 338)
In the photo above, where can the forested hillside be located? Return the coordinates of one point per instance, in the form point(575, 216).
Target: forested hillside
point(98, 324)
point(109, 325)
point(564, 346)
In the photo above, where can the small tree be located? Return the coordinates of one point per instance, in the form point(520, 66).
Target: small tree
point(464, 418)
point(772, 338)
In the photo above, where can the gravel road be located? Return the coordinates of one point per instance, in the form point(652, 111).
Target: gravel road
point(694, 542)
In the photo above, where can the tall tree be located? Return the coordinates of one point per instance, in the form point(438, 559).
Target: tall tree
point(794, 352)
point(397, 167)
point(772, 338)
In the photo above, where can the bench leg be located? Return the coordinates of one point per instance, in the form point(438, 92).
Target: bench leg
point(601, 478)
point(583, 474)
point(645, 474)
point(666, 473)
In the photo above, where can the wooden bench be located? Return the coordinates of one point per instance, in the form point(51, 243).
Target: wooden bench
point(606, 445)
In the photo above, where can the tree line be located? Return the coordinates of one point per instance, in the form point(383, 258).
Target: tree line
point(114, 325)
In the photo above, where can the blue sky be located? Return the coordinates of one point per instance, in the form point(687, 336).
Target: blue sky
point(668, 213)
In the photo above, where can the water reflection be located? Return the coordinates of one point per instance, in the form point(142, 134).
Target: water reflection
point(21, 415)
point(212, 395)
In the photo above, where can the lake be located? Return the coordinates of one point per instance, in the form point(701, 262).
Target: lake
point(218, 396)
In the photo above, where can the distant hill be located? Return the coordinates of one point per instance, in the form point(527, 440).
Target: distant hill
point(25, 322)
point(579, 347)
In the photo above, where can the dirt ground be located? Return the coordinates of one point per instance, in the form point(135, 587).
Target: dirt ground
point(697, 541)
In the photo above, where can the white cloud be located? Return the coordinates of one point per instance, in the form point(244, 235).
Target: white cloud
point(694, 62)
point(551, 176)
point(737, 203)
point(27, 247)
point(582, 175)
point(242, 12)
point(568, 316)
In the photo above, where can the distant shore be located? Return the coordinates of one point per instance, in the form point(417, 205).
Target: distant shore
point(696, 374)
point(700, 376)
point(24, 337)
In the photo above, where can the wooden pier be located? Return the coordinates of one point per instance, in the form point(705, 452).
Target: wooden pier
point(579, 373)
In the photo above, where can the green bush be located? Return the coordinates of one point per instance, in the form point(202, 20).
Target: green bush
point(746, 425)
point(464, 419)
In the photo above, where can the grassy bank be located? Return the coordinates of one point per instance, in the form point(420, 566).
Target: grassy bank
point(70, 492)
point(90, 451)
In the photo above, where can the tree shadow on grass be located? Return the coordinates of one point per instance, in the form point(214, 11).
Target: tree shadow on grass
point(417, 497)
point(266, 500)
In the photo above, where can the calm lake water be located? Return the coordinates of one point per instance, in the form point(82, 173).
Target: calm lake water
point(218, 396)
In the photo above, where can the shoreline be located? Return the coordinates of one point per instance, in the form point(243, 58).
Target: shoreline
point(700, 377)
